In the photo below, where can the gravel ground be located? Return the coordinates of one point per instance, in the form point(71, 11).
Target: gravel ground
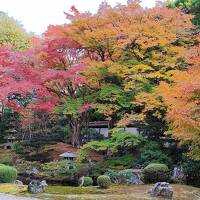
point(11, 197)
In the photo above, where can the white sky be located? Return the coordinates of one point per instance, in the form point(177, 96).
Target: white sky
point(36, 15)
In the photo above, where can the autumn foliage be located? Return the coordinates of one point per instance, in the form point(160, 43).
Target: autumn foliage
point(182, 99)
point(110, 63)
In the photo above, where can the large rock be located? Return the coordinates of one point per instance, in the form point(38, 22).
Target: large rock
point(178, 175)
point(127, 176)
point(162, 189)
point(35, 186)
point(136, 178)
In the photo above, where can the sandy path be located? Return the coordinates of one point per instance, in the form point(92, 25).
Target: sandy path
point(11, 197)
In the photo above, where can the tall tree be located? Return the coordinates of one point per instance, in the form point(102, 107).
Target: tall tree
point(61, 62)
point(130, 50)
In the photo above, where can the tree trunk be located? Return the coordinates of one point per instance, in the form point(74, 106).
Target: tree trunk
point(77, 124)
point(76, 132)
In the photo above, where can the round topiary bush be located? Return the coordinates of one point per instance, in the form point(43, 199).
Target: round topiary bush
point(7, 174)
point(104, 181)
point(85, 181)
point(156, 173)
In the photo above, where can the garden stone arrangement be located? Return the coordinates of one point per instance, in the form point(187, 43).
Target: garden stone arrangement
point(35, 186)
point(161, 189)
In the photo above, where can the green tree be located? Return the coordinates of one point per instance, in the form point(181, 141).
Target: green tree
point(120, 143)
point(12, 32)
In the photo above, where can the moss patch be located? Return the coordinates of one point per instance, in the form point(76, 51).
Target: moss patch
point(116, 192)
point(12, 189)
point(64, 190)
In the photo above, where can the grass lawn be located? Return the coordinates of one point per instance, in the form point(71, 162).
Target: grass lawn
point(122, 192)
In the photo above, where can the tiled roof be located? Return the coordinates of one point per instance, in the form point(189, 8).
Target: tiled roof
point(68, 155)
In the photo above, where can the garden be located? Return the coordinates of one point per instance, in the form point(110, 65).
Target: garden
point(105, 106)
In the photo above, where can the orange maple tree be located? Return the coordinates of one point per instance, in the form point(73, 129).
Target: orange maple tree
point(183, 101)
point(135, 45)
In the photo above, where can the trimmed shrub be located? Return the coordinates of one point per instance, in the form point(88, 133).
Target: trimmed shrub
point(7, 174)
point(156, 172)
point(85, 181)
point(104, 181)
